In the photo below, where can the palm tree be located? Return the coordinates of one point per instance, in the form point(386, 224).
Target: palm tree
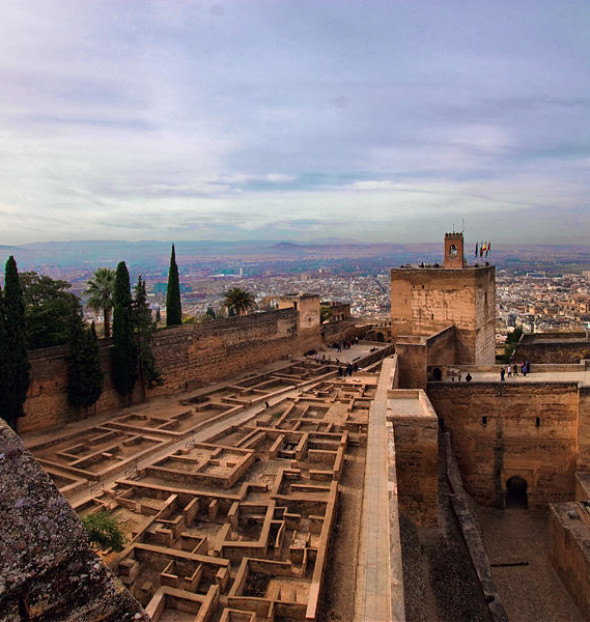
point(100, 290)
point(238, 300)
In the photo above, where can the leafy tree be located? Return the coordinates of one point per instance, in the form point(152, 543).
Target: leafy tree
point(125, 354)
point(210, 313)
point(144, 328)
point(238, 301)
point(85, 375)
point(325, 313)
point(14, 361)
point(103, 529)
point(173, 307)
point(48, 309)
point(100, 290)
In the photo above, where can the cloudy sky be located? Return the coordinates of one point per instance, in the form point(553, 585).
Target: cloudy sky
point(294, 119)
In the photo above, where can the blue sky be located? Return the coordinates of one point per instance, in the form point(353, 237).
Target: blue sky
point(375, 121)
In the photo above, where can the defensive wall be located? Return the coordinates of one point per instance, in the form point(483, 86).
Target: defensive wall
point(415, 428)
point(500, 430)
point(419, 357)
point(188, 357)
point(552, 348)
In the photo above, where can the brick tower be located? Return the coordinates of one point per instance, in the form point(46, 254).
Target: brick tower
point(454, 257)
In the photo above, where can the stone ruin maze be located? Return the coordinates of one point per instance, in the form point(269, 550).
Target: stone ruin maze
point(235, 522)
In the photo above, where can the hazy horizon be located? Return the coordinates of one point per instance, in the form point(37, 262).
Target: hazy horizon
point(379, 121)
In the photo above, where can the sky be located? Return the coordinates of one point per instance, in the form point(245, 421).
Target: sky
point(296, 120)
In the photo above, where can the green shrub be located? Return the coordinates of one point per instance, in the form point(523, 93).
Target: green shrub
point(103, 529)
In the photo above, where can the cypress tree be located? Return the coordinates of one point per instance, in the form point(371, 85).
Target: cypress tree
point(124, 348)
point(13, 346)
point(145, 328)
point(173, 308)
point(4, 365)
point(85, 375)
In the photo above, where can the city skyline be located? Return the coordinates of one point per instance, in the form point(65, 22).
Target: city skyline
point(379, 121)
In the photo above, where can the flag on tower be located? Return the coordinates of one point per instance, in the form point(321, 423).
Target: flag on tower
point(481, 249)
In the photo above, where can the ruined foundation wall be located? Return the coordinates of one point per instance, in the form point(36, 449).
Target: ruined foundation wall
point(188, 356)
point(495, 436)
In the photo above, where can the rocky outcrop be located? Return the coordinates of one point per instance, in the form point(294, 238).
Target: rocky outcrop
point(47, 570)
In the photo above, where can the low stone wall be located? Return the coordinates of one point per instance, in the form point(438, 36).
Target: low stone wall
point(188, 356)
point(568, 549)
point(553, 348)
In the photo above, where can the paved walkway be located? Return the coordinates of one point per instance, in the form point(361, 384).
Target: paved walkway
point(539, 376)
point(380, 576)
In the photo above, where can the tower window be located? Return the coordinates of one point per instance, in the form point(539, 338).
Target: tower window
point(538, 422)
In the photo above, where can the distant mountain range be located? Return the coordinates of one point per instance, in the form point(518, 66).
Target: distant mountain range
point(86, 256)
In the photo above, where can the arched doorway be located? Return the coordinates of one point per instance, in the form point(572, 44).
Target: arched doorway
point(380, 337)
point(516, 492)
point(437, 374)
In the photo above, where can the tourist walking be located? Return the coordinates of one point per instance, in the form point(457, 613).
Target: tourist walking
point(502, 374)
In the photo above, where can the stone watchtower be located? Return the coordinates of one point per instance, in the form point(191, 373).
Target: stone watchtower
point(454, 255)
point(428, 299)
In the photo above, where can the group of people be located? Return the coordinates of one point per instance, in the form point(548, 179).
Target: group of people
point(344, 345)
point(525, 368)
point(348, 370)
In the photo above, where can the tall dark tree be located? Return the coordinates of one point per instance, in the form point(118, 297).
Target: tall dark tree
point(85, 375)
point(145, 328)
point(13, 348)
point(173, 308)
point(124, 347)
point(5, 392)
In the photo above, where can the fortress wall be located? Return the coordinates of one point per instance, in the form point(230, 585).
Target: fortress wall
point(440, 348)
point(583, 463)
point(416, 458)
point(553, 348)
point(418, 354)
point(188, 356)
point(412, 363)
point(509, 442)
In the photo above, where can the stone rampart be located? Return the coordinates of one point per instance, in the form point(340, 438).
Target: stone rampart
point(188, 356)
point(553, 348)
point(501, 430)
